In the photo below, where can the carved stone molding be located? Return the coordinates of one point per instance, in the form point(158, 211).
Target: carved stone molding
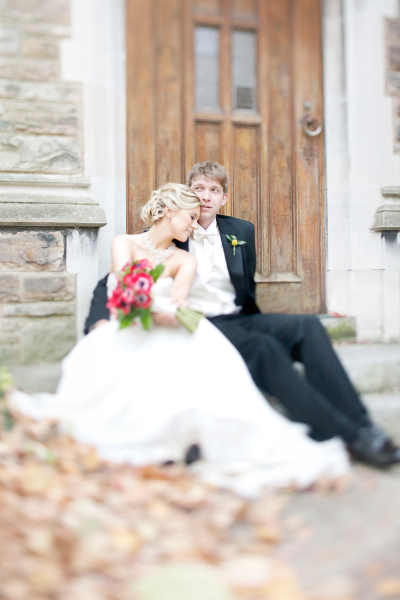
point(387, 215)
point(28, 210)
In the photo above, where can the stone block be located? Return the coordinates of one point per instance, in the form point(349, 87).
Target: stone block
point(32, 251)
point(9, 353)
point(37, 309)
point(46, 92)
point(34, 123)
point(50, 11)
point(10, 347)
point(37, 107)
point(45, 154)
point(48, 286)
point(48, 30)
point(9, 325)
point(36, 378)
point(14, 67)
point(10, 39)
point(9, 288)
point(48, 339)
point(39, 48)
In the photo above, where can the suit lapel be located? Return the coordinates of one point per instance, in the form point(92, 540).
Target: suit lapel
point(234, 262)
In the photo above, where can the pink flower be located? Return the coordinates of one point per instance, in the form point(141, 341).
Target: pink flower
point(130, 279)
point(143, 300)
point(143, 283)
point(128, 296)
point(143, 264)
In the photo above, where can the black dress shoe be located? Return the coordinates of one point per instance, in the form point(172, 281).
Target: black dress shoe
point(373, 447)
point(193, 453)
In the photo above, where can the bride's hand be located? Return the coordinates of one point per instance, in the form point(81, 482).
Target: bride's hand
point(164, 319)
point(180, 303)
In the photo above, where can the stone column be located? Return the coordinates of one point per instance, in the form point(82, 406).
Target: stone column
point(48, 269)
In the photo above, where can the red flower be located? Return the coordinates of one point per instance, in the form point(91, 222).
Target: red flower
point(115, 300)
point(126, 308)
point(143, 300)
point(130, 279)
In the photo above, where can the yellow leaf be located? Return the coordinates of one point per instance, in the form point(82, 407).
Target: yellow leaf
point(40, 541)
point(126, 540)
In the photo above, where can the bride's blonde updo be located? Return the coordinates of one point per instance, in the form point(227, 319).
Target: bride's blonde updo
point(174, 196)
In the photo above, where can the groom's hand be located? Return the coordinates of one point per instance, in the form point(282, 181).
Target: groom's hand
point(99, 324)
point(164, 319)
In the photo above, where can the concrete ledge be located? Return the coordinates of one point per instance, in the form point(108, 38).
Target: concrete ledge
point(56, 213)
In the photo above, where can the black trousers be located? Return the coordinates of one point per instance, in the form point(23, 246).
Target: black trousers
point(324, 399)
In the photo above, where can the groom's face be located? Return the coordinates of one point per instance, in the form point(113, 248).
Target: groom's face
point(212, 197)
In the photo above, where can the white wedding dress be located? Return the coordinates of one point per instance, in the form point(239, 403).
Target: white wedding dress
point(146, 396)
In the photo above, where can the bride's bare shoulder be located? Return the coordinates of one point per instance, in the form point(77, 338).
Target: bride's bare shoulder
point(125, 240)
point(185, 258)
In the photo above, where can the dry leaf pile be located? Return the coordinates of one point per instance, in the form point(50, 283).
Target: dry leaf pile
point(73, 527)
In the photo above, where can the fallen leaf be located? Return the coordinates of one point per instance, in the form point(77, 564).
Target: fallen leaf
point(388, 587)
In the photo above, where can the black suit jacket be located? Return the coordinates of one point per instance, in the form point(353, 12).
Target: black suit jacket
point(241, 267)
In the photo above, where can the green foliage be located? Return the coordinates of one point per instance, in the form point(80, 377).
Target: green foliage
point(235, 242)
point(146, 319)
point(6, 420)
point(157, 272)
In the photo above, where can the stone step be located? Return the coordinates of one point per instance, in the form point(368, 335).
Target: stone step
point(339, 327)
point(371, 367)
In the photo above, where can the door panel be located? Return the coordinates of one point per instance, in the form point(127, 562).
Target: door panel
point(246, 169)
point(208, 141)
point(228, 80)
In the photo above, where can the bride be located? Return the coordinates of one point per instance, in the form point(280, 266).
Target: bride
point(147, 396)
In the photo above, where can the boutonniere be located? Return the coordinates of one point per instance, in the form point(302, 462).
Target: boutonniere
point(235, 242)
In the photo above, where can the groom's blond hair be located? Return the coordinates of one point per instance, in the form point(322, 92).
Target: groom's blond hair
point(211, 170)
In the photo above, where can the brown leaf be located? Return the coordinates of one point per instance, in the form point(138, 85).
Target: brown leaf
point(47, 577)
point(388, 587)
point(35, 478)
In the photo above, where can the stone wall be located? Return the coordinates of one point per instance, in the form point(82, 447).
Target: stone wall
point(40, 116)
point(48, 221)
point(363, 264)
point(37, 298)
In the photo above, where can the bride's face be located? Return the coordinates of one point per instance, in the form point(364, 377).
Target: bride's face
point(183, 222)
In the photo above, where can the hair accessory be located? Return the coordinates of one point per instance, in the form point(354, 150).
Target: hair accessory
point(160, 255)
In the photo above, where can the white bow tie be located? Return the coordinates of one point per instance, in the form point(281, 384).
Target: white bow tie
point(210, 236)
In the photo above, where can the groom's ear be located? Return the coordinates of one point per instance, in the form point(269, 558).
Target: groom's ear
point(224, 199)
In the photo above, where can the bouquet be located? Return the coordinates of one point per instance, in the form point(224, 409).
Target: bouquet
point(132, 297)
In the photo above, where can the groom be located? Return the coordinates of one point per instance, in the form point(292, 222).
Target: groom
point(224, 290)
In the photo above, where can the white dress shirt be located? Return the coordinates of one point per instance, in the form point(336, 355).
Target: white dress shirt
point(212, 292)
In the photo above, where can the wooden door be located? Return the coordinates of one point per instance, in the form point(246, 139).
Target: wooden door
point(233, 81)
